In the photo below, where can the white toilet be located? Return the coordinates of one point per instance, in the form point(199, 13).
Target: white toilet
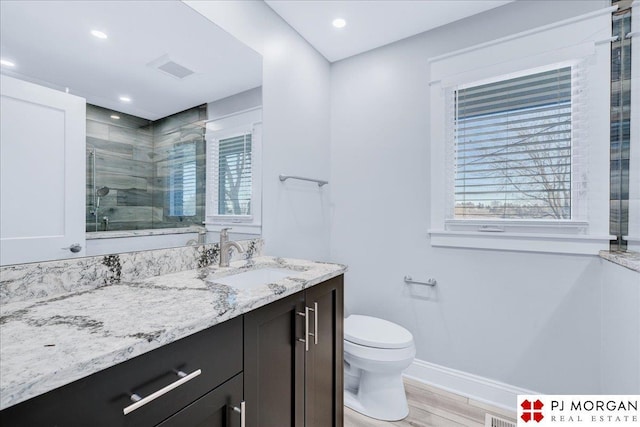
point(376, 352)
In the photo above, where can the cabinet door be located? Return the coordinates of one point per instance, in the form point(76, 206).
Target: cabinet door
point(274, 364)
point(42, 173)
point(214, 409)
point(324, 360)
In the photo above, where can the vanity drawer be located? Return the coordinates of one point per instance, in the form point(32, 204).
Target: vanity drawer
point(214, 409)
point(99, 400)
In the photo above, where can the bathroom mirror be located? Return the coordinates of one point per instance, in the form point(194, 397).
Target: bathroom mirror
point(153, 74)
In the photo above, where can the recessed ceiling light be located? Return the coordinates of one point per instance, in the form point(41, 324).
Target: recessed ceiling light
point(125, 99)
point(7, 63)
point(115, 117)
point(339, 23)
point(98, 34)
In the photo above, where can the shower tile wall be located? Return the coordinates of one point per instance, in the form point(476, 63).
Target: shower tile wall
point(131, 159)
point(169, 133)
point(124, 163)
point(620, 123)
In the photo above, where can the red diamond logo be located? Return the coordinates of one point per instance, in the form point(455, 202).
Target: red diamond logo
point(532, 411)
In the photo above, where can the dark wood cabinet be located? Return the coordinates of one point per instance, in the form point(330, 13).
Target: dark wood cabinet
point(260, 358)
point(99, 399)
point(214, 409)
point(294, 360)
point(274, 364)
point(324, 361)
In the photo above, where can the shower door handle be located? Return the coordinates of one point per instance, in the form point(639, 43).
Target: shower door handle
point(75, 248)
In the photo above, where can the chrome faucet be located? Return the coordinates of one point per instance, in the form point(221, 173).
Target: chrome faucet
point(202, 237)
point(225, 246)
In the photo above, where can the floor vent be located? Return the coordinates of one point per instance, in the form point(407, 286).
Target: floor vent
point(493, 421)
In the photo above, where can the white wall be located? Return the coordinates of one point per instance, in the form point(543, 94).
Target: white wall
point(527, 319)
point(295, 215)
point(620, 330)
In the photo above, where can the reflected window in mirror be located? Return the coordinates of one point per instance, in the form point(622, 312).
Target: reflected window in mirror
point(234, 185)
point(234, 175)
point(181, 194)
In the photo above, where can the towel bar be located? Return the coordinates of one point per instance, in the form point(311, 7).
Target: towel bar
point(429, 282)
point(319, 181)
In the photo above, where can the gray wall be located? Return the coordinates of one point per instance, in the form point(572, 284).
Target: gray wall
point(251, 98)
point(295, 95)
point(528, 319)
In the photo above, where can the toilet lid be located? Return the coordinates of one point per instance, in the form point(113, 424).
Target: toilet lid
point(374, 332)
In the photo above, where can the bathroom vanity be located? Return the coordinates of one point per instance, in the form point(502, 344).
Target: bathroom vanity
point(198, 347)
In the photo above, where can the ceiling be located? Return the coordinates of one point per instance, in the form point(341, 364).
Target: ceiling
point(371, 24)
point(51, 45)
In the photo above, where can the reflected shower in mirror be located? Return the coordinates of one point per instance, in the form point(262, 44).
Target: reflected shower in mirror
point(153, 170)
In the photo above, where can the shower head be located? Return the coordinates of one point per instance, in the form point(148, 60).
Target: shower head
point(102, 191)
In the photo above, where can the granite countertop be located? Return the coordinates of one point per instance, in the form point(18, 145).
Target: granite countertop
point(49, 342)
point(629, 259)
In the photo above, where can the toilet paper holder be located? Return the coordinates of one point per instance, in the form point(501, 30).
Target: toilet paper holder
point(429, 282)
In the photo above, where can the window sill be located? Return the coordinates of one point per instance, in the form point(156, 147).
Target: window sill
point(521, 242)
point(237, 227)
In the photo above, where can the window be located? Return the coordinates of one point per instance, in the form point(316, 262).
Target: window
point(513, 145)
point(234, 175)
point(233, 171)
point(516, 140)
point(182, 180)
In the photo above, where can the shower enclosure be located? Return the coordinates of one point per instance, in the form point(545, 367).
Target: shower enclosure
point(144, 174)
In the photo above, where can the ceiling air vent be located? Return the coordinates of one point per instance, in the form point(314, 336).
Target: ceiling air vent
point(493, 421)
point(166, 65)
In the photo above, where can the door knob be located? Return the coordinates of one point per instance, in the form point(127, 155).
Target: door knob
point(75, 248)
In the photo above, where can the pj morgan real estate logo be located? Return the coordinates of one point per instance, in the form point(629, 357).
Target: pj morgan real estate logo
point(578, 410)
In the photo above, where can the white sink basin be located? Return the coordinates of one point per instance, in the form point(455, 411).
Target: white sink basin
point(258, 277)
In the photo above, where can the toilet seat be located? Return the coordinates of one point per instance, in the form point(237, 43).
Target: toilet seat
point(377, 333)
point(389, 356)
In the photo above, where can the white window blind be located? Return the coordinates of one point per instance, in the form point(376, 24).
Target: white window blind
point(182, 180)
point(514, 147)
point(232, 180)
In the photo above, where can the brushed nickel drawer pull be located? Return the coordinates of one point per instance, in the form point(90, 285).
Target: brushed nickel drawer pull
point(242, 411)
point(306, 328)
point(315, 322)
point(138, 401)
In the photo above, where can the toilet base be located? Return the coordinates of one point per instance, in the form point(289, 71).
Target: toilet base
point(379, 396)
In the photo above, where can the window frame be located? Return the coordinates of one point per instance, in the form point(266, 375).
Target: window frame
point(576, 202)
point(557, 43)
point(233, 125)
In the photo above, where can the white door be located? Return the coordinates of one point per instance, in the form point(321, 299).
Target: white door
point(42, 173)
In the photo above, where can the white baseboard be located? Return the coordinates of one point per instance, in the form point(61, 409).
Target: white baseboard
point(474, 387)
